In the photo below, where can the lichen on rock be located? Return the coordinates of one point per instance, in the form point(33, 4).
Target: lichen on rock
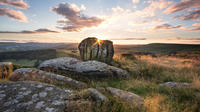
point(32, 74)
point(93, 68)
point(32, 99)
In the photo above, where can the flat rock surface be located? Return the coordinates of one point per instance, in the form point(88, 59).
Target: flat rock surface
point(88, 68)
point(128, 97)
point(175, 84)
point(32, 96)
point(32, 74)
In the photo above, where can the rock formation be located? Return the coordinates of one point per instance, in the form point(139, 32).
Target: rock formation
point(32, 97)
point(128, 97)
point(6, 69)
point(94, 49)
point(31, 74)
point(68, 65)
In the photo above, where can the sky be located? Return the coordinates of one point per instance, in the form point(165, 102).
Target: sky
point(122, 21)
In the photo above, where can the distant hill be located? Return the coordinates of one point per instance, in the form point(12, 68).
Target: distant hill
point(12, 46)
point(157, 48)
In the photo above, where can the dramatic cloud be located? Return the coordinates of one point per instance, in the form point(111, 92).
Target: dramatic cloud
point(13, 14)
point(191, 16)
point(166, 26)
point(184, 4)
point(32, 32)
point(75, 21)
point(15, 3)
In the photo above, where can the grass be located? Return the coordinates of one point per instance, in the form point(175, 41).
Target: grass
point(146, 73)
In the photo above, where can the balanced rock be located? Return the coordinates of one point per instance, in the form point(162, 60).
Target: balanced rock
point(128, 97)
point(93, 68)
point(94, 49)
point(32, 97)
point(31, 74)
point(175, 84)
point(6, 69)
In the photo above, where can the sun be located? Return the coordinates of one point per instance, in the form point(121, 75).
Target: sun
point(102, 37)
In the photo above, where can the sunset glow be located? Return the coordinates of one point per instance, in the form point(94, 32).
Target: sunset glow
point(122, 21)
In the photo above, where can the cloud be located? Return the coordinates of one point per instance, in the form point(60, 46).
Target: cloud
point(128, 39)
point(75, 21)
point(13, 14)
point(196, 24)
point(42, 30)
point(140, 22)
point(184, 4)
point(195, 29)
point(15, 3)
point(166, 26)
point(135, 1)
point(153, 8)
point(181, 38)
point(191, 16)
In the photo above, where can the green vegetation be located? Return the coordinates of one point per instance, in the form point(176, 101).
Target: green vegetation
point(146, 73)
point(145, 77)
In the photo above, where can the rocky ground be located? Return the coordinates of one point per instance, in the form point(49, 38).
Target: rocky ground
point(31, 89)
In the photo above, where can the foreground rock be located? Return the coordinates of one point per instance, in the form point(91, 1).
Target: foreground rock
point(128, 97)
point(174, 84)
point(93, 49)
point(32, 97)
point(88, 100)
point(31, 74)
point(6, 69)
point(68, 65)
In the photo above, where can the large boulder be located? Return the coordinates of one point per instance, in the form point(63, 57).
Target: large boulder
point(32, 74)
point(94, 49)
point(127, 97)
point(32, 97)
point(6, 69)
point(93, 68)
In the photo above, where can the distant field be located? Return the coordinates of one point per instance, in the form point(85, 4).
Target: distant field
point(30, 55)
point(148, 66)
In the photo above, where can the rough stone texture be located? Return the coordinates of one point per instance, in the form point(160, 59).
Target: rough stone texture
point(32, 97)
point(93, 49)
point(6, 69)
point(174, 84)
point(31, 74)
point(97, 95)
point(89, 68)
point(127, 97)
point(88, 100)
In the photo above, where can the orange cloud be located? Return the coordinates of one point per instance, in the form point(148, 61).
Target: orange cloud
point(13, 14)
point(196, 24)
point(42, 30)
point(15, 3)
point(184, 4)
point(191, 16)
point(166, 26)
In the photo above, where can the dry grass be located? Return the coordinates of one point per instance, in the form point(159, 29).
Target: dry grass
point(3, 80)
point(155, 103)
